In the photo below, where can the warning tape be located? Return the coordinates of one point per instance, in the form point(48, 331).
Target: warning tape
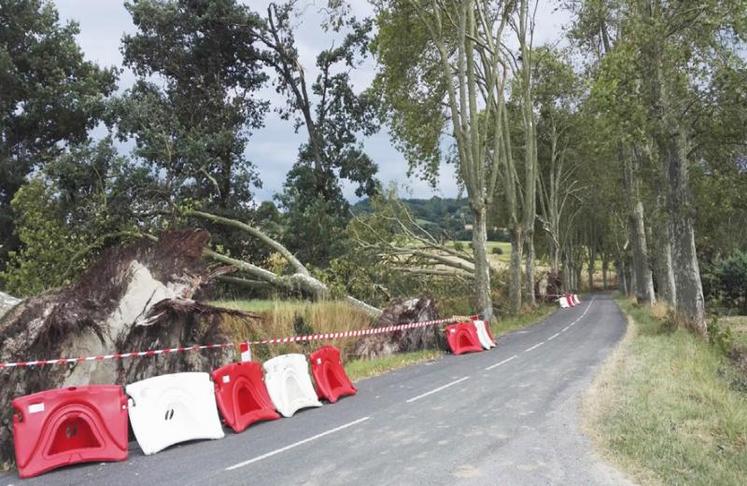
point(196, 347)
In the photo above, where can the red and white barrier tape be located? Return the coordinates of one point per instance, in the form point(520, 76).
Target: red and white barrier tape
point(285, 340)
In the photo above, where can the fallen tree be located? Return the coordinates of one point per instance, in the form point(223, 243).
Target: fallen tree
point(300, 280)
point(135, 297)
point(402, 311)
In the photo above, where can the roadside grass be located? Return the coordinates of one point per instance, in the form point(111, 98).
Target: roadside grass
point(280, 318)
point(665, 408)
point(526, 318)
point(359, 369)
point(738, 325)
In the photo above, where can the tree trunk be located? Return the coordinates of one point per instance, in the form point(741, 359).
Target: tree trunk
point(622, 282)
point(529, 271)
point(643, 283)
point(483, 298)
point(514, 291)
point(605, 267)
point(689, 301)
point(671, 141)
point(663, 260)
point(592, 259)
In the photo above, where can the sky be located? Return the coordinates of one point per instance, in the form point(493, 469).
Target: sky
point(273, 148)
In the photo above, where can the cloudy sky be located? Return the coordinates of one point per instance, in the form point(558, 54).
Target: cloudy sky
point(273, 148)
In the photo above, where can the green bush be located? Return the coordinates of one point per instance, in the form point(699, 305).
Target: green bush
point(497, 250)
point(458, 246)
point(725, 282)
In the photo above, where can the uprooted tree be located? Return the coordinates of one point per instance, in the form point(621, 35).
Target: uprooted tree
point(299, 280)
point(135, 297)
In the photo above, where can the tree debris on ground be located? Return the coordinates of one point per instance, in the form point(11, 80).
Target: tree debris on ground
point(401, 312)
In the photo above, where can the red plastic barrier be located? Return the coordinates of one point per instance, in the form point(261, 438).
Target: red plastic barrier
point(55, 428)
point(571, 301)
point(462, 338)
point(329, 375)
point(241, 395)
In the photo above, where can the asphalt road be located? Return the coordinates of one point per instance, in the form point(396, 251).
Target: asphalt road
point(505, 416)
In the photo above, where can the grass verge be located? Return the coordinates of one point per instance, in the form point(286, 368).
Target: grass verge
point(527, 318)
point(366, 368)
point(664, 407)
point(282, 318)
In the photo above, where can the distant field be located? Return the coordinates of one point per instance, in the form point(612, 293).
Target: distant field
point(501, 260)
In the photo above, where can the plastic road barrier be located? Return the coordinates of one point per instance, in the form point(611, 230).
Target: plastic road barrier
point(242, 396)
point(55, 428)
point(462, 338)
point(563, 301)
point(168, 409)
point(571, 302)
point(329, 375)
point(483, 335)
point(289, 384)
point(576, 300)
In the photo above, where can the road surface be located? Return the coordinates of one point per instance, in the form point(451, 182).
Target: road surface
point(505, 416)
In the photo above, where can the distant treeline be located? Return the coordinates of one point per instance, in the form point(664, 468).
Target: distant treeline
point(448, 218)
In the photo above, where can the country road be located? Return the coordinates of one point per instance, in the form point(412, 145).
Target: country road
point(505, 416)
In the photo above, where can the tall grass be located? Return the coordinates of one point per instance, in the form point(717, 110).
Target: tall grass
point(281, 318)
point(665, 407)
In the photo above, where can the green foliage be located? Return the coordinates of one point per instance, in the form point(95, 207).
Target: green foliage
point(83, 200)
point(48, 245)
point(724, 281)
point(412, 87)
point(192, 110)
point(317, 211)
point(496, 250)
point(49, 96)
point(720, 336)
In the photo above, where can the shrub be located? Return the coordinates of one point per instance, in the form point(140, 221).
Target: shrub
point(497, 250)
point(732, 275)
point(458, 246)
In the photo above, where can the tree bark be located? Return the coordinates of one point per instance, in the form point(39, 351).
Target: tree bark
point(671, 141)
point(662, 257)
point(483, 298)
point(605, 268)
point(622, 282)
point(592, 259)
point(514, 290)
point(643, 282)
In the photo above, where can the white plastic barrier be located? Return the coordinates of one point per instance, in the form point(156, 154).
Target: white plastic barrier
point(482, 334)
point(576, 299)
point(169, 409)
point(289, 384)
point(563, 303)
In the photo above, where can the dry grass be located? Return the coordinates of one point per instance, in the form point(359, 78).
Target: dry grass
point(280, 318)
point(664, 410)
